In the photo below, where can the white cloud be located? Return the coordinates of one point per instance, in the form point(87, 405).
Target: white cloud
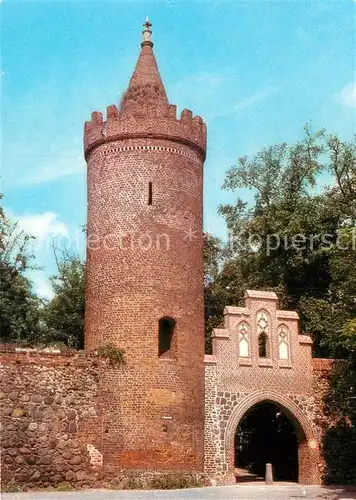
point(42, 225)
point(45, 227)
point(32, 168)
point(348, 95)
point(210, 79)
point(41, 285)
point(66, 166)
point(259, 95)
point(196, 89)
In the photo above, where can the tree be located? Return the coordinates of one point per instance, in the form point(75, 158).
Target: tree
point(64, 314)
point(289, 239)
point(215, 297)
point(300, 242)
point(19, 307)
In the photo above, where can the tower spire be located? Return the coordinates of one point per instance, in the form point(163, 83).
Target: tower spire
point(146, 94)
point(146, 33)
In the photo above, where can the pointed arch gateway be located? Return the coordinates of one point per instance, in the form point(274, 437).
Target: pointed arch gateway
point(308, 453)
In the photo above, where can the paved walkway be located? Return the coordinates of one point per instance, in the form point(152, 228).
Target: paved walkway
point(241, 492)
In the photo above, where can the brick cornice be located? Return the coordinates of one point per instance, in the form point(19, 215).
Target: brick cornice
point(142, 135)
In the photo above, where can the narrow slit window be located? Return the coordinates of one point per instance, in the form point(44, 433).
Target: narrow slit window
point(165, 337)
point(150, 193)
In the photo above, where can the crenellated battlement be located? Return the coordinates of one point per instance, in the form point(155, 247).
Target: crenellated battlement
point(187, 129)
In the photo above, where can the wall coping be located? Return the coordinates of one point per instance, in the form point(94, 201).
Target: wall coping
point(45, 350)
point(260, 294)
point(287, 314)
point(325, 364)
point(244, 311)
point(305, 339)
point(11, 354)
point(221, 333)
point(210, 359)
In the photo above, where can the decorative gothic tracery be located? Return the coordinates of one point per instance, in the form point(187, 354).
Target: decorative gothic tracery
point(244, 340)
point(283, 342)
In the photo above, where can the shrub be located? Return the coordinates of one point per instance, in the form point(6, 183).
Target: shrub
point(340, 454)
point(11, 487)
point(64, 487)
point(112, 354)
point(175, 481)
point(133, 483)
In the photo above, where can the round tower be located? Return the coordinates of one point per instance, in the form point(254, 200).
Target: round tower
point(144, 288)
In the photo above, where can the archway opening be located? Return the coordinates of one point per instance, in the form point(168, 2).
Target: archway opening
point(266, 434)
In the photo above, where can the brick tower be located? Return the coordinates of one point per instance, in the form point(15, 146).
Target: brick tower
point(144, 290)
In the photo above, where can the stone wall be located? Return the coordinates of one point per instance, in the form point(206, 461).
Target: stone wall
point(322, 419)
point(57, 426)
point(62, 421)
point(50, 419)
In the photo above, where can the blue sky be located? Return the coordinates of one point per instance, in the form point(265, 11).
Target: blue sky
point(255, 71)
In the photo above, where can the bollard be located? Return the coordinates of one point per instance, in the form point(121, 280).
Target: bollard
point(269, 474)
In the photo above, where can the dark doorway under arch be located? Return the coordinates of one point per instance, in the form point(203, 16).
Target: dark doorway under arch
point(266, 435)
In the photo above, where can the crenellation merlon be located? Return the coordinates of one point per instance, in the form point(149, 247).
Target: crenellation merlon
point(186, 116)
point(112, 113)
point(187, 130)
point(172, 111)
point(97, 117)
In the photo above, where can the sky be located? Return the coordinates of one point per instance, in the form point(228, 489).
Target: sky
point(256, 71)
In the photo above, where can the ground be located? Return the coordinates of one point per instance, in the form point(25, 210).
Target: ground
point(241, 492)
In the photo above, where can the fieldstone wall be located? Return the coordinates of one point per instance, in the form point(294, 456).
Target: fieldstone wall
point(61, 417)
point(322, 419)
point(59, 412)
point(50, 418)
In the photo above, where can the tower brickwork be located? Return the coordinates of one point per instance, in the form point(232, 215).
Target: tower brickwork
point(144, 284)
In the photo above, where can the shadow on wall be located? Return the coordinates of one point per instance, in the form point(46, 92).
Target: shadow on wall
point(339, 493)
point(339, 446)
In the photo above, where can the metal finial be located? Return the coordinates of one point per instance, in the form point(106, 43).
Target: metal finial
point(147, 32)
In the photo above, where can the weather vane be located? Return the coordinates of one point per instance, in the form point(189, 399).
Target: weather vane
point(147, 32)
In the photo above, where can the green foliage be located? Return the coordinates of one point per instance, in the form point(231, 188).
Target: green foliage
point(11, 487)
point(112, 354)
point(175, 482)
point(323, 323)
point(348, 337)
point(341, 400)
point(340, 454)
point(294, 239)
point(19, 307)
point(131, 483)
point(301, 242)
point(64, 314)
point(168, 481)
point(215, 298)
point(64, 487)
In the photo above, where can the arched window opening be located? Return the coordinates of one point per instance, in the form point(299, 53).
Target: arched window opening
point(263, 345)
point(244, 340)
point(283, 342)
point(165, 337)
point(263, 327)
